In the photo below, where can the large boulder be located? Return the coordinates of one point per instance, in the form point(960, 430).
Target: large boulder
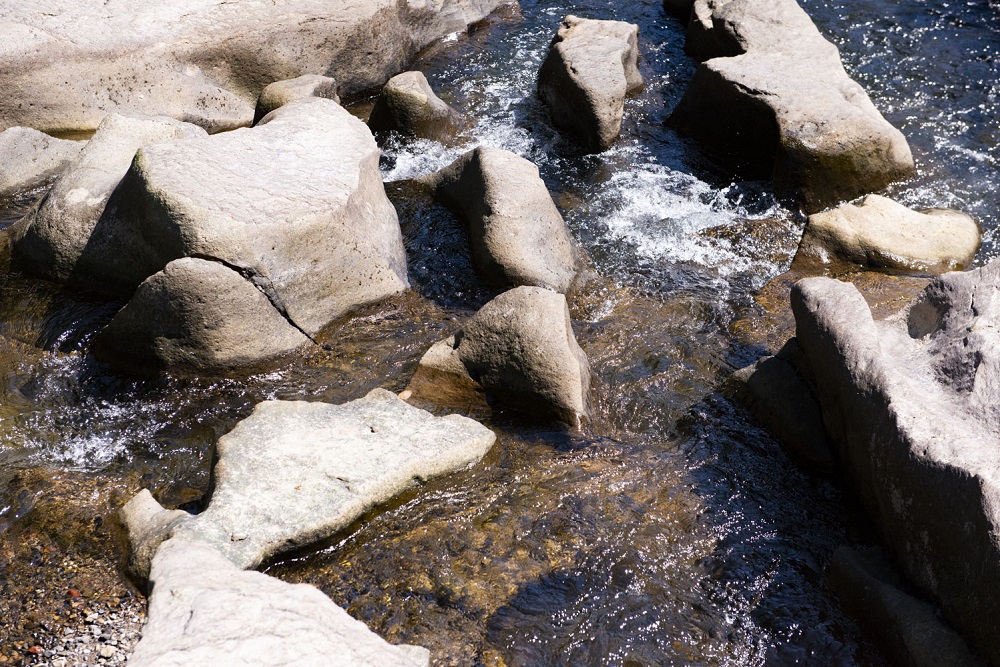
point(590, 68)
point(29, 158)
point(879, 233)
point(295, 205)
point(280, 93)
point(195, 316)
point(201, 60)
point(521, 349)
point(910, 405)
point(50, 240)
point(295, 472)
point(203, 610)
point(772, 99)
point(516, 233)
point(408, 105)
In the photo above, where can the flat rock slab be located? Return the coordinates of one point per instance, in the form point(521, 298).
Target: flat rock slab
point(772, 99)
point(407, 105)
point(879, 233)
point(910, 405)
point(66, 64)
point(295, 472)
point(591, 67)
point(204, 611)
point(516, 234)
point(28, 158)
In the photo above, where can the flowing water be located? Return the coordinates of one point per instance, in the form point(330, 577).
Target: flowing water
point(672, 530)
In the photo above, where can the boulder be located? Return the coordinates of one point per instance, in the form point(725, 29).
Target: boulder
point(280, 93)
point(516, 233)
point(203, 610)
point(196, 316)
point(295, 205)
point(772, 100)
point(521, 349)
point(51, 239)
point(202, 61)
point(879, 233)
point(908, 628)
point(441, 380)
point(29, 158)
point(408, 105)
point(590, 68)
point(910, 405)
point(295, 472)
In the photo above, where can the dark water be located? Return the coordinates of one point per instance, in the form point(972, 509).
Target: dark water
point(672, 531)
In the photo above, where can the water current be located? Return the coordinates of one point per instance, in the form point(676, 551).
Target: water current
point(671, 530)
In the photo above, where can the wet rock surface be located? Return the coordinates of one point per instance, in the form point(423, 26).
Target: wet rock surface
point(28, 158)
point(280, 93)
point(407, 105)
point(590, 69)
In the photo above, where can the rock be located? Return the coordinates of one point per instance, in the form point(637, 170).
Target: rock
point(196, 316)
point(907, 628)
point(295, 205)
point(782, 401)
point(202, 61)
point(590, 68)
point(149, 525)
point(516, 233)
point(205, 611)
point(280, 93)
point(50, 241)
point(28, 158)
point(679, 8)
point(441, 380)
point(881, 234)
point(520, 347)
point(911, 407)
point(408, 105)
point(772, 99)
point(294, 472)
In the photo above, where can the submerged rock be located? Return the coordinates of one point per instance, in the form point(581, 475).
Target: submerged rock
point(772, 99)
point(52, 239)
point(408, 105)
point(295, 472)
point(910, 405)
point(201, 60)
point(881, 234)
point(28, 158)
point(280, 93)
point(442, 380)
point(590, 68)
point(203, 610)
point(516, 233)
point(520, 347)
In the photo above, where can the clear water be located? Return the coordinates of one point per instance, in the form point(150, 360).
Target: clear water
point(673, 531)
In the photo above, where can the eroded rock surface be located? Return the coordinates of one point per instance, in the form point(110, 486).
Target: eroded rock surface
point(29, 158)
point(408, 105)
point(772, 99)
point(910, 406)
point(201, 60)
point(590, 68)
point(280, 93)
point(516, 233)
point(879, 233)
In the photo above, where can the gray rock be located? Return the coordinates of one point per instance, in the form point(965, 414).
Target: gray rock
point(201, 60)
point(772, 99)
point(50, 241)
point(590, 68)
point(295, 472)
point(408, 105)
point(205, 611)
point(28, 158)
point(908, 628)
point(911, 407)
point(881, 234)
point(516, 233)
point(520, 347)
point(196, 316)
point(280, 93)
point(441, 380)
point(296, 205)
point(149, 525)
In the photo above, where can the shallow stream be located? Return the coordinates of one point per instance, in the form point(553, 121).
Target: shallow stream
point(672, 530)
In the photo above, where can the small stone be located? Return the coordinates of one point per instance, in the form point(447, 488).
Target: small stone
point(107, 651)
